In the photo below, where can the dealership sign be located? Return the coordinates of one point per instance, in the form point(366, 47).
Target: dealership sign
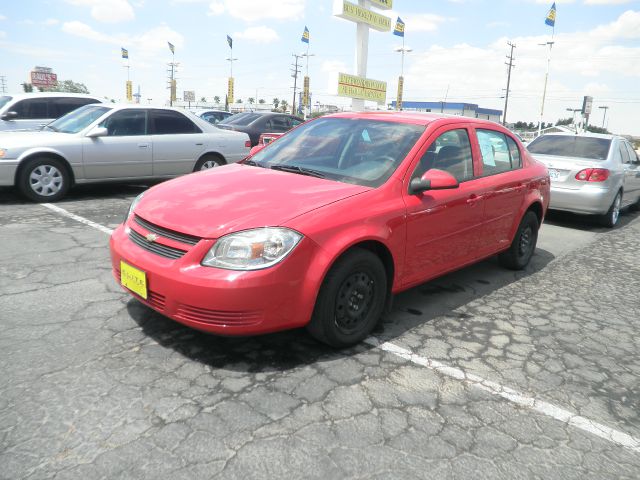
point(43, 77)
point(362, 88)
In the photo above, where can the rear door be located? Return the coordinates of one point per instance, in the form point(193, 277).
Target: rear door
point(125, 153)
point(177, 142)
point(631, 165)
point(31, 114)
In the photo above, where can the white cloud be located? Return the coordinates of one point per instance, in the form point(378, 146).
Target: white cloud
point(3, 34)
point(83, 30)
point(2, 17)
point(258, 34)
point(51, 21)
point(606, 2)
point(111, 11)
point(423, 22)
point(255, 10)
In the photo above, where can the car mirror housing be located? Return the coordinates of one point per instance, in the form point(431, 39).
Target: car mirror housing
point(98, 132)
point(433, 179)
point(9, 115)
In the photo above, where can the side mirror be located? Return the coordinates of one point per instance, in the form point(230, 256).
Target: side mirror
point(98, 132)
point(10, 115)
point(433, 179)
point(255, 149)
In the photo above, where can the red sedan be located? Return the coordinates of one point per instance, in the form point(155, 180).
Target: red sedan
point(322, 227)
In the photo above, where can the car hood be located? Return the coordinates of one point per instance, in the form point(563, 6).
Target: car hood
point(26, 139)
point(237, 197)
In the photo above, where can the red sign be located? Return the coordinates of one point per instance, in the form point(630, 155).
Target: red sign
point(43, 79)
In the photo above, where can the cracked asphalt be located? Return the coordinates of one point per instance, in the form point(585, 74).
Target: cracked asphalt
point(95, 385)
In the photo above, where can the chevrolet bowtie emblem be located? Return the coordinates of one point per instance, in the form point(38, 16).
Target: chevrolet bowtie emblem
point(151, 237)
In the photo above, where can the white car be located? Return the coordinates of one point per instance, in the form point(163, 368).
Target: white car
point(108, 142)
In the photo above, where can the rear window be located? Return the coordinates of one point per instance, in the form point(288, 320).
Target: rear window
point(571, 146)
point(246, 119)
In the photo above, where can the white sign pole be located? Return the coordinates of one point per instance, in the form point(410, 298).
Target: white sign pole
point(362, 53)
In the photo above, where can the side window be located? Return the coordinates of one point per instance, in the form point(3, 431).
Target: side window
point(126, 123)
point(632, 153)
point(450, 152)
point(295, 122)
point(514, 151)
point(167, 122)
point(626, 159)
point(279, 124)
point(33, 108)
point(63, 105)
point(496, 154)
point(269, 126)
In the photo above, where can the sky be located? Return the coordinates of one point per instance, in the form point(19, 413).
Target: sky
point(459, 50)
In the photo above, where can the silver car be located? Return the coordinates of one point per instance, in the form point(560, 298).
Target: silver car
point(590, 173)
point(107, 142)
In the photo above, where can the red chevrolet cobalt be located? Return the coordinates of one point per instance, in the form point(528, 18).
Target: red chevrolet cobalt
point(323, 226)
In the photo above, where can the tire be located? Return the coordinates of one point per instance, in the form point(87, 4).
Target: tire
point(44, 179)
point(351, 300)
point(519, 254)
point(209, 161)
point(610, 219)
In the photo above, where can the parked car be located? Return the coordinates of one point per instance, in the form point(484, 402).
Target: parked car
point(212, 116)
point(322, 226)
point(266, 138)
point(590, 173)
point(255, 123)
point(107, 142)
point(32, 111)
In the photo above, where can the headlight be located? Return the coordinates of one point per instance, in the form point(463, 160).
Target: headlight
point(252, 249)
point(133, 206)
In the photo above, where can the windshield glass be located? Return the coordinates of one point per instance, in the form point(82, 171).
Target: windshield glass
point(350, 150)
point(4, 101)
point(236, 118)
point(591, 148)
point(245, 119)
point(78, 119)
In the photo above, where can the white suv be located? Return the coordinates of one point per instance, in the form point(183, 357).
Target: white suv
point(31, 111)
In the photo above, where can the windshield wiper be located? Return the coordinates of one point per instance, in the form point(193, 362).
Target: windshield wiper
point(300, 170)
point(253, 163)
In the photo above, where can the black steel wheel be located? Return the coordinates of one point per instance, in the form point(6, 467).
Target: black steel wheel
point(351, 299)
point(209, 161)
point(524, 242)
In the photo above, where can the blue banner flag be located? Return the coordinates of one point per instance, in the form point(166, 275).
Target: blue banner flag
point(399, 30)
point(171, 47)
point(305, 35)
point(230, 41)
point(125, 52)
point(551, 16)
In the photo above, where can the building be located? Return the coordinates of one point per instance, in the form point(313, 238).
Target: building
point(465, 109)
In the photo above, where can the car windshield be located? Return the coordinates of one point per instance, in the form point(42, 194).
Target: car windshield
point(4, 100)
point(592, 148)
point(350, 150)
point(245, 119)
point(78, 119)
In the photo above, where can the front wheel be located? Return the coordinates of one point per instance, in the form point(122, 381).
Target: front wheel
point(610, 219)
point(44, 180)
point(207, 162)
point(351, 300)
point(523, 245)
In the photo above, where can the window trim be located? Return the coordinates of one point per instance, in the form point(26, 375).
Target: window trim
point(481, 160)
point(128, 110)
point(151, 128)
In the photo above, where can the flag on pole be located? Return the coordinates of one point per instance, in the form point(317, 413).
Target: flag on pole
point(230, 41)
point(125, 52)
point(399, 30)
point(305, 35)
point(171, 47)
point(551, 16)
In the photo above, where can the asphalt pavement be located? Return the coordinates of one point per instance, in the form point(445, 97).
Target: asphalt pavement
point(483, 373)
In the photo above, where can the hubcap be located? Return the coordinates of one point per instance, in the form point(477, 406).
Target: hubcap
point(46, 180)
point(354, 301)
point(616, 210)
point(526, 241)
point(209, 164)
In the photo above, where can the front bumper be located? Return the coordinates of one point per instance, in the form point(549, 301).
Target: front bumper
point(589, 199)
point(221, 301)
point(8, 170)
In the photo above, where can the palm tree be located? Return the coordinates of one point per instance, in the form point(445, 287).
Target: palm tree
point(216, 99)
point(251, 100)
point(239, 100)
point(284, 105)
point(203, 99)
point(261, 101)
point(276, 102)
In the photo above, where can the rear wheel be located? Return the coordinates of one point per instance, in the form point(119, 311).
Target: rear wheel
point(610, 219)
point(44, 180)
point(523, 245)
point(208, 161)
point(351, 300)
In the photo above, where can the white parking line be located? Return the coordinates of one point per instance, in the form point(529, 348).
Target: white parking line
point(615, 436)
point(531, 403)
point(78, 218)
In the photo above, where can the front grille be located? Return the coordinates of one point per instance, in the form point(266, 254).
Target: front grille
point(165, 232)
point(218, 317)
point(157, 248)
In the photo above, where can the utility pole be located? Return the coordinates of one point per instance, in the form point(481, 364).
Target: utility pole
point(3, 84)
point(295, 71)
point(171, 72)
point(506, 97)
point(605, 108)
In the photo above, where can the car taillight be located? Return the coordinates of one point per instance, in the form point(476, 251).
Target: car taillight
point(247, 144)
point(593, 175)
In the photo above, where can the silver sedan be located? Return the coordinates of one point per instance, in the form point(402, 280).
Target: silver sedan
point(590, 173)
point(102, 142)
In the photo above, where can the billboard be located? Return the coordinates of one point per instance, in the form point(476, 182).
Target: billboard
point(363, 88)
point(189, 95)
point(355, 13)
point(43, 77)
point(587, 103)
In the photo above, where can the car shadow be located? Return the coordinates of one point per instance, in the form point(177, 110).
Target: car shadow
point(587, 223)
point(10, 196)
point(291, 349)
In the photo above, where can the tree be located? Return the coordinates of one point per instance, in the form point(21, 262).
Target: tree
point(68, 86)
point(251, 100)
point(564, 121)
point(284, 105)
point(216, 99)
point(203, 99)
point(594, 129)
point(239, 100)
point(27, 87)
point(261, 101)
point(276, 103)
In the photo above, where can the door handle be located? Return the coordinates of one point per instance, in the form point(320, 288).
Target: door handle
point(199, 144)
point(143, 145)
point(473, 199)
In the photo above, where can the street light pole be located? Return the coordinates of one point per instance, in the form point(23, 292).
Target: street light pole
point(604, 117)
point(402, 51)
point(546, 79)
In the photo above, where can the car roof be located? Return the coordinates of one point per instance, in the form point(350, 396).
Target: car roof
point(206, 110)
point(418, 118)
point(22, 96)
point(607, 136)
